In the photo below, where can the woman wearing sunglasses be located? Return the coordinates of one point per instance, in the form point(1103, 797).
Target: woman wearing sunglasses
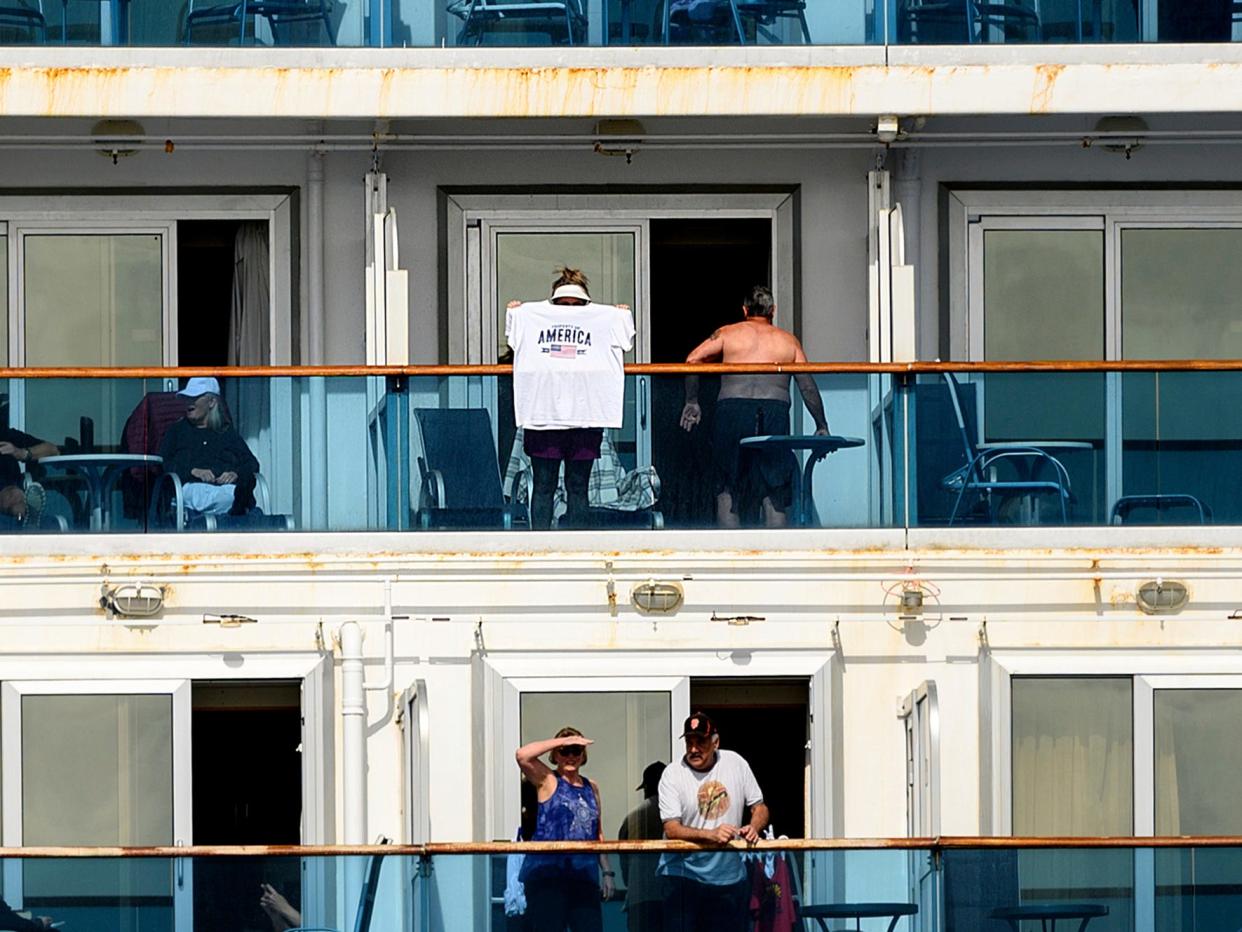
point(563, 890)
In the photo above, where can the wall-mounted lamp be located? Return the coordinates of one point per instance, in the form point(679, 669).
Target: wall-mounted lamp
point(116, 139)
point(132, 600)
point(910, 605)
point(657, 598)
point(1162, 597)
point(619, 137)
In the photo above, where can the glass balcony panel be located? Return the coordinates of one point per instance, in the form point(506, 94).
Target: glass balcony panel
point(1009, 448)
point(993, 888)
point(1181, 443)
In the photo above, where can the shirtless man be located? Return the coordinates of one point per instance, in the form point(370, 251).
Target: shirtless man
point(750, 404)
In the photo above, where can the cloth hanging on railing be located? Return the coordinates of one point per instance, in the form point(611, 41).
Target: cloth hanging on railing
point(772, 891)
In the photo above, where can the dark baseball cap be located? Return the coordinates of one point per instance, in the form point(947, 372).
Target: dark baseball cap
point(651, 775)
point(698, 724)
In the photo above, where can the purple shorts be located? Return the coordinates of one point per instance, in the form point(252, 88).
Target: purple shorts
point(572, 443)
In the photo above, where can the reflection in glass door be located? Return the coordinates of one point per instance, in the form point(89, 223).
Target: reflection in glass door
point(91, 297)
point(98, 764)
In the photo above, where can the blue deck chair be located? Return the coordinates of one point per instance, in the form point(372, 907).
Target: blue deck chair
point(966, 21)
point(1158, 505)
point(461, 485)
point(27, 16)
point(1040, 473)
point(278, 13)
point(520, 20)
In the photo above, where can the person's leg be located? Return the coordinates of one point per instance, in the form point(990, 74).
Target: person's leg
point(646, 917)
point(771, 516)
point(546, 472)
point(680, 914)
point(577, 480)
point(13, 501)
point(545, 905)
point(726, 514)
point(724, 908)
point(584, 912)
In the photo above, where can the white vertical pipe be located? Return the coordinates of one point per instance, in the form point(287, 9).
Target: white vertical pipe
point(318, 446)
point(353, 734)
point(314, 259)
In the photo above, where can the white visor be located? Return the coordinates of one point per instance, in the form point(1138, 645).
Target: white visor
point(571, 291)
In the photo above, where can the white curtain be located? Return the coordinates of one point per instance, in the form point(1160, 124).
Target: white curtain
point(249, 323)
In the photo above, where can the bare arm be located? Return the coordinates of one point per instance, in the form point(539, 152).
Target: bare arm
point(710, 349)
point(810, 394)
point(758, 822)
point(721, 834)
point(539, 774)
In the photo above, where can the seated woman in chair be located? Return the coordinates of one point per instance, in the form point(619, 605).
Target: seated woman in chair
point(216, 468)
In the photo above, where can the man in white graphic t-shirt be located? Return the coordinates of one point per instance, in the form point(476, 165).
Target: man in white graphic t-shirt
point(701, 799)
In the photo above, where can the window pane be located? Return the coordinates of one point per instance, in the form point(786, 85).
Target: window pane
point(97, 770)
point(1072, 756)
point(1198, 757)
point(526, 266)
point(631, 730)
point(94, 300)
point(1043, 293)
point(1181, 291)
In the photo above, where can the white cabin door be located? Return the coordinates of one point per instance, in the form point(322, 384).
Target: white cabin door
point(102, 763)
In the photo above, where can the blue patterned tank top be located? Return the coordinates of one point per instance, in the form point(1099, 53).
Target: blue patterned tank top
point(569, 814)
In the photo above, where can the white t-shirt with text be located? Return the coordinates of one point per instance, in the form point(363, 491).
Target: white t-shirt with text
point(568, 364)
point(707, 799)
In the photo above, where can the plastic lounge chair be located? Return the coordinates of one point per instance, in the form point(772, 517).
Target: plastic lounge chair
point(461, 485)
point(980, 473)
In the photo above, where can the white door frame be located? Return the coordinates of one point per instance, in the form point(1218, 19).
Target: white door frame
point(120, 213)
point(469, 274)
point(626, 671)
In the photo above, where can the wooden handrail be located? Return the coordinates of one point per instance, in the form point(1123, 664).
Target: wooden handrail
point(811, 368)
point(434, 849)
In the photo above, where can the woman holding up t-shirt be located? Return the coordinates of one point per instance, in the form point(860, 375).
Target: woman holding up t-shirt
point(568, 385)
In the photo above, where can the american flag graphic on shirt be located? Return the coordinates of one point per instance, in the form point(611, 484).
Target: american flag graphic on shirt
point(562, 350)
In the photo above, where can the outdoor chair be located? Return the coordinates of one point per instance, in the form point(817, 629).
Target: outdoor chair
point(1125, 508)
point(366, 902)
point(1034, 471)
point(24, 16)
point(966, 22)
point(561, 21)
point(461, 485)
point(279, 14)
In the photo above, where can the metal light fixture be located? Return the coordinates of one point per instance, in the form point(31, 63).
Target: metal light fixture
point(619, 137)
point(911, 603)
point(117, 139)
point(657, 598)
point(132, 600)
point(1162, 597)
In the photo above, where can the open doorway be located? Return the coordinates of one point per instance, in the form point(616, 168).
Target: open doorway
point(701, 270)
point(247, 780)
point(204, 290)
point(767, 721)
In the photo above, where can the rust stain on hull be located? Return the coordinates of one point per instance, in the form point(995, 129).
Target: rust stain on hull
point(637, 90)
